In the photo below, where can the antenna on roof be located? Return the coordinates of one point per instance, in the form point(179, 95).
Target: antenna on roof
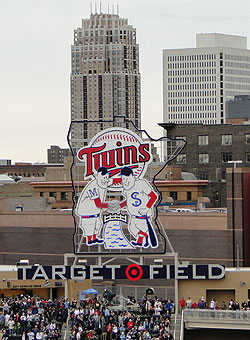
point(100, 7)
point(91, 8)
point(112, 9)
point(117, 9)
point(108, 9)
point(95, 8)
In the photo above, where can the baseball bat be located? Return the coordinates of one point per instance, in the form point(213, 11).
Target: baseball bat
point(151, 233)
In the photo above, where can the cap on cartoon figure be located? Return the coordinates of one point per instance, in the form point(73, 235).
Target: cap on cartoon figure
point(102, 177)
point(128, 179)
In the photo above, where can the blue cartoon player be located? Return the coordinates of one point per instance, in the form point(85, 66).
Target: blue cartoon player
point(91, 203)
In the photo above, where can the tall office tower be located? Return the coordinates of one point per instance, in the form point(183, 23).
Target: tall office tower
point(105, 78)
point(197, 82)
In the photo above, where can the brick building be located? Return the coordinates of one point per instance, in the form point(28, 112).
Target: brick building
point(180, 191)
point(26, 170)
point(55, 154)
point(208, 150)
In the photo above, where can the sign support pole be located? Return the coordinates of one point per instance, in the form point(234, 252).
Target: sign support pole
point(176, 288)
point(66, 288)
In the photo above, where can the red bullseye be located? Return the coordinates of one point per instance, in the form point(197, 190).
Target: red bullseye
point(134, 272)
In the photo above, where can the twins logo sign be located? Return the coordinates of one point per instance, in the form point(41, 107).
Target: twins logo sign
point(116, 209)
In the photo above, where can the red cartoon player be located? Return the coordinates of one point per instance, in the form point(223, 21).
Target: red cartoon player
point(140, 199)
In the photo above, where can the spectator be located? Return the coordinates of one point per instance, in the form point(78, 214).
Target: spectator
point(122, 336)
point(212, 304)
point(189, 303)
point(182, 303)
point(237, 305)
point(231, 304)
point(194, 305)
point(169, 336)
point(30, 335)
point(169, 306)
point(11, 324)
point(223, 305)
point(200, 304)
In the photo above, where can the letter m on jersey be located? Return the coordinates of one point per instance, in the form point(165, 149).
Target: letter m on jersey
point(93, 193)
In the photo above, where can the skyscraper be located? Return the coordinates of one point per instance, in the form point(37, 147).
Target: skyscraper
point(105, 78)
point(198, 82)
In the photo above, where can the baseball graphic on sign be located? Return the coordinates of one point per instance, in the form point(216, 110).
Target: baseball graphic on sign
point(113, 149)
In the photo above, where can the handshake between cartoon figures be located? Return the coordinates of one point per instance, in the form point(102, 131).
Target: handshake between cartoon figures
point(113, 207)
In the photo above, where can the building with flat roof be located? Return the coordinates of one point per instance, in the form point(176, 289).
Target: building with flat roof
point(199, 81)
point(239, 107)
point(56, 154)
point(208, 150)
point(105, 78)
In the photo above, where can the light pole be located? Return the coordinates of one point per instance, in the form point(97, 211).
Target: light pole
point(233, 207)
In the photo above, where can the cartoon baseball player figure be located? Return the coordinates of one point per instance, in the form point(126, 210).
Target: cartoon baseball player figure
point(140, 199)
point(90, 204)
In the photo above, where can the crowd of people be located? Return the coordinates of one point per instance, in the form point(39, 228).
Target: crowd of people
point(30, 318)
point(34, 318)
point(202, 304)
point(94, 319)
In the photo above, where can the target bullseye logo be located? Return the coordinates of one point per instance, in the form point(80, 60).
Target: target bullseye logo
point(134, 272)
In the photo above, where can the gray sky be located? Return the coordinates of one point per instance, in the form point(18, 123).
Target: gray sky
point(35, 40)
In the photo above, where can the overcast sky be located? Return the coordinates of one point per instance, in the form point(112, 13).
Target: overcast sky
point(35, 41)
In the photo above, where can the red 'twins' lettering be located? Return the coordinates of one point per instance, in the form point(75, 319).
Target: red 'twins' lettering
point(111, 159)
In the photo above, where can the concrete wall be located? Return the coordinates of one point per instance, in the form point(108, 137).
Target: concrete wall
point(18, 189)
point(28, 203)
point(237, 281)
point(43, 237)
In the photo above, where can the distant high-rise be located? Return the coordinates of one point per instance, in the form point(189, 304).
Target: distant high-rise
point(198, 82)
point(105, 78)
point(56, 155)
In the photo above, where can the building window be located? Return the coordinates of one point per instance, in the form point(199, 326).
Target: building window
point(223, 175)
point(41, 194)
point(202, 140)
point(248, 157)
point(180, 142)
point(203, 158)
point(203, 175)
point(181, 159)
point(64, 196)
point(173, 194)
point(226, 156)
point(52, 194)
point(226, 139)
point(189, 195)
point(247, 138)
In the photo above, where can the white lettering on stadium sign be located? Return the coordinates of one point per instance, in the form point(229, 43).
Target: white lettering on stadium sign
point(133, 272)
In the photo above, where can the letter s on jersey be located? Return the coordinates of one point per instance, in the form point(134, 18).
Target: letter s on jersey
point(137, 201)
